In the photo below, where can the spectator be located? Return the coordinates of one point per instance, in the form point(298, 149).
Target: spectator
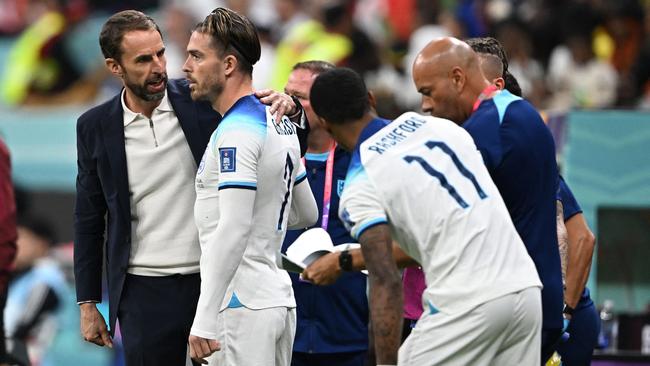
point(36, 292)
point(7, 236)
point(577, 79)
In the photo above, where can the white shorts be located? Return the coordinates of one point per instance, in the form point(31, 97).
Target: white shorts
point(504, 331)
point(255, 337)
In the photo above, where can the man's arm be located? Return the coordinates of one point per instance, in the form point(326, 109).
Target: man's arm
point(326, 269)
point(89, 226)
point(581, 249)
point(580, 244)
point(219, 261)
point(225, 247)
point(386, 301)
point(562, 237)
point(304, 210)
point(283, 104)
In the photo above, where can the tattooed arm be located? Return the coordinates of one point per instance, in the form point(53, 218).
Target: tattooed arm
point(562, 238)
point(581, 243)
point(385, 292)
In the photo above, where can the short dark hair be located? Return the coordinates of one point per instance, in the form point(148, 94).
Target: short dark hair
point(315, 66)
point(39, 226)
point(113, 31)
point(339, 95)
point(232, 33)
point(492, 46)
point(512, 84)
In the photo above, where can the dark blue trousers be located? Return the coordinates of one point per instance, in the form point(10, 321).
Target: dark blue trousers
point(329, 359)
point(583, 335)
point(155, 316)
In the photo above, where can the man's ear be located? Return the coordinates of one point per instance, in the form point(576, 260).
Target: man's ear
point(372, 100)
point(114, 67)
point(458, 78)
point(320, 121)
point(230, 63)
point(499, 83)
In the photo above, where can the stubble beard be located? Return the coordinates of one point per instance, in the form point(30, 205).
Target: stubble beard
point(211, 95)
point(141, 91)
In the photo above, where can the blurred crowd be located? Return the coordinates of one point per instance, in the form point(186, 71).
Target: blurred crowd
point(41, 317)
point(565, 53)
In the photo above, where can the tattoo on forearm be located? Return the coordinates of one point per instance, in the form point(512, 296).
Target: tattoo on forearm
point(385, 292)
point(562, 239)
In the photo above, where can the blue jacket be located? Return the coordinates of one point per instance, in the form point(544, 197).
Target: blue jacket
point(519, 152)
point(331, 319)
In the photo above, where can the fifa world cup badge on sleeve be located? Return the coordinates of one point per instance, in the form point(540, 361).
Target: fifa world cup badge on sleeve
point(228, 158)
point(347, 220)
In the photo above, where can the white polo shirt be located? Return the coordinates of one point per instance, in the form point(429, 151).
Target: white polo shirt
point(161, 171)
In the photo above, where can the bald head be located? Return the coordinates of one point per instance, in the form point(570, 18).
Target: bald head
point(446, 53)
point(448, 75)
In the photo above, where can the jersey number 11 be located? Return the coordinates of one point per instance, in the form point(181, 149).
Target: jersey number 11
point(441, 177)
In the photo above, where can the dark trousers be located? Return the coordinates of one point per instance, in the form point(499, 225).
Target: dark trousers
point(155, 315)
point(583, 335)
point(329, 359)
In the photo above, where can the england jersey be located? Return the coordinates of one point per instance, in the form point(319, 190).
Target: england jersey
point(248, 151)
point(424, 177)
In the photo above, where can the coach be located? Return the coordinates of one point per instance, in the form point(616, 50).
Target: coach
point(137, 159)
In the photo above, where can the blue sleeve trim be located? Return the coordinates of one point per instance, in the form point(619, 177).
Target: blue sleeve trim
point(369, 224)
point(301, 178)
point(317, 157)
point(241, 185)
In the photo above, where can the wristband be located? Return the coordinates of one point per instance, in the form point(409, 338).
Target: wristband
point(568, 310)
point(298, 106)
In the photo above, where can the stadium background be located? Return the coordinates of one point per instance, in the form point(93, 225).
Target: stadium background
point(585, 63)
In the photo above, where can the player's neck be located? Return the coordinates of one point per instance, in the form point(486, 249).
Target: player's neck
point(349, 138)
point(236, 87)
point(319, 141)
point(475, 90)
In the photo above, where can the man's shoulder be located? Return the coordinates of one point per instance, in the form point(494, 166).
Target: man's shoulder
point(247, 115)
point(511, 107)
point(178, 86)
point(98, 112)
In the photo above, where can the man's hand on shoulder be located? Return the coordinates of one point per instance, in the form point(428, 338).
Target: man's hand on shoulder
point(93, 325)
point(281, 104)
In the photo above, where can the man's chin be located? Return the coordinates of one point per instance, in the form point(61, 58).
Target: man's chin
point(152, 97)
point(198, 97)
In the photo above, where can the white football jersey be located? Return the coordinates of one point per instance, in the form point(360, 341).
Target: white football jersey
point(425, 178)
point(249, 151)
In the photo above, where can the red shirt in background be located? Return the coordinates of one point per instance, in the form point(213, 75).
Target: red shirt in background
point(7, 218)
